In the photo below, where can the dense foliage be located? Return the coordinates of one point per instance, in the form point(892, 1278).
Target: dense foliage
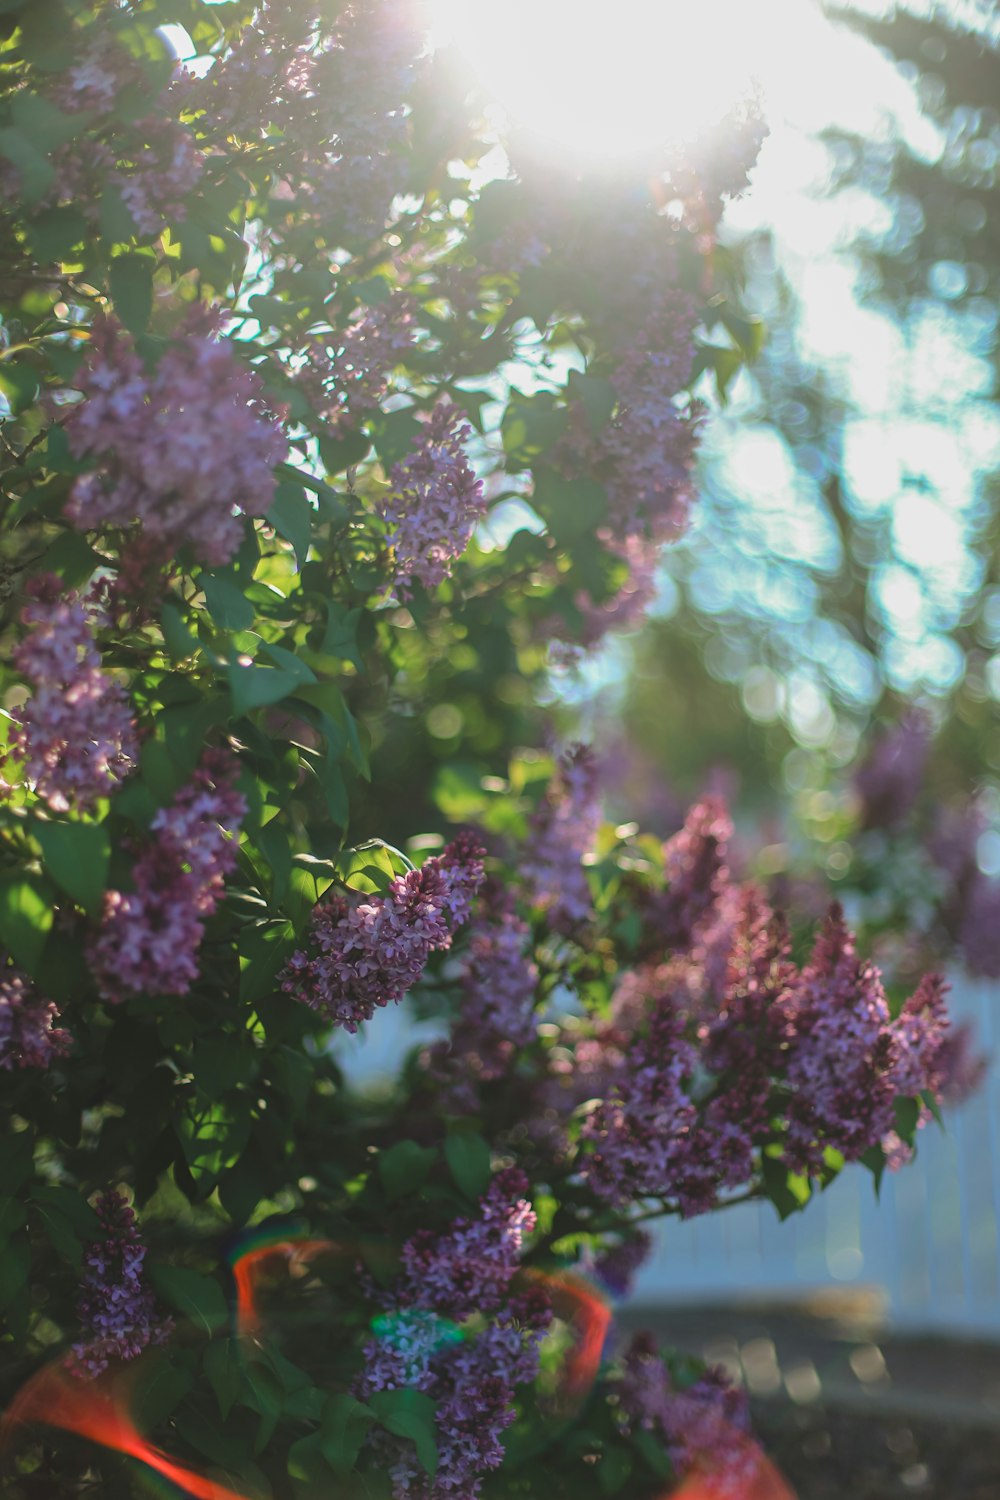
point(322, 428)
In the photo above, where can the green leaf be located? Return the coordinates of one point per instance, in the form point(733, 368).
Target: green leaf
point(16, 1162)
point(12, 1218)
point(117, 224)
point(197, 1298)
point(376, 289)
point(784, 1188)
point(131, 281)
point(158, 1388)
point(73, 558)
point(223, 1366)
point(54, 233)
point(60, 1236)
point(653, 1452)
point(468, 1157)
point(874, 1160)
point(292, 516)
point(342, 453)
point(907, 1112)
point(227, 603)
point(19, 384)
point(344, 1428)
point(26, 911)
point(570, 507)
point(596, 395)
point(341, 635)
point(264, 950)
point(178, 640)
point(76, 856)
point(403, 1168)
point(259, 687)
point(36, 172)
point(71, 1206)
point(394, 435)
point(409, 1414)
point(15, 1263)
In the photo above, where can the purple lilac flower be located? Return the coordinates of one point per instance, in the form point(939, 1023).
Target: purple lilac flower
point(149, 937)
point(616, 1265)
point(181, 451)
point(563, 829)
point(889, 781)
point(649, 445)
point(696, 873)
point(469, 1268)
point(979, 926)
point(366, 954)
point(29, 1036)
point(496, 1014)
point(75, 735)
point(640, 1137)
point(401, 1352)
point(434, 501)
point(346, 374)
point(626, 609)
point(706, 1423)
point(115, 1307)
point(841, 1053)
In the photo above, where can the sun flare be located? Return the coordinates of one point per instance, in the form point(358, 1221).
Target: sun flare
point(604, 84)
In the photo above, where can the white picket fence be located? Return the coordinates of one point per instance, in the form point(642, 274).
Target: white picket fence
point(930, 1246)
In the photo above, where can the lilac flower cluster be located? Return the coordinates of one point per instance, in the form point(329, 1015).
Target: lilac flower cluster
point(347, 373)
point(972, 902)
point(696, 874)
point(705, 1423)
point(367, 954)
point(889, 781)
point(469, 1268)
point(75, 735)
point(149, 937)
point(616, 1265)
point(649, 445)
point(181, 450)
point(29, 1036)
point(115, 1307)
point(625, 609)
point(364, 78)
point(495, 1016)
point(563, 829)
point(153, 163)
point(433, 502)
point(842, 1053)
point(713, 1046)
point(471, 1376)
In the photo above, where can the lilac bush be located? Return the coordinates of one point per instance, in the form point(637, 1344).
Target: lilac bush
point(293, 551)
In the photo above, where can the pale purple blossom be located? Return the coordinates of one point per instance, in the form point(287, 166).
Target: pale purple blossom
point(364, 954)
point(470, 1266)
point(889, 781)
point(705, 1423)
point(616, 1265)
point(75, 735)
point(648, 447)
point(472, 1376)
point(346, 373)
point(181, 450)
point(29, 1036)
point(149, 936)
point(115, 1306)
point(842, 1053)
point(563, 829)
point(433, 502)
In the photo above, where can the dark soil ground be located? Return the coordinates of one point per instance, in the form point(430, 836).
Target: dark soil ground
point(846, 1410)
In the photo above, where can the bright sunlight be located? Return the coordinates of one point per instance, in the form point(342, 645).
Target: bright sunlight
point(605, 83)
